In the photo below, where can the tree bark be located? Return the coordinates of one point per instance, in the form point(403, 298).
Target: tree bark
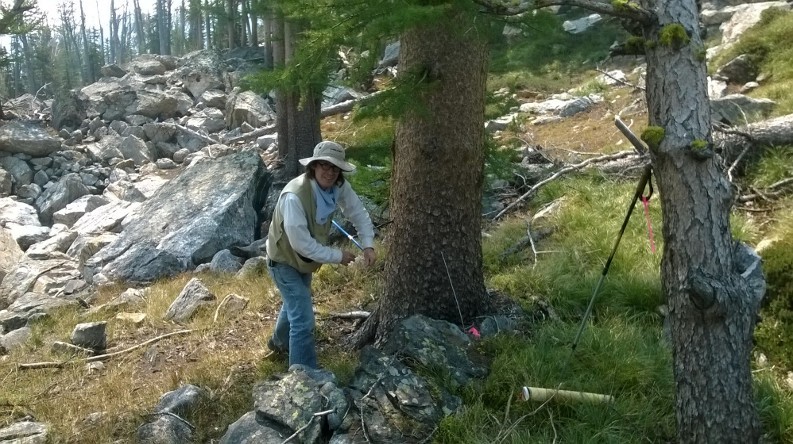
point(434, 265)
point(711, 312)
point(208, 25)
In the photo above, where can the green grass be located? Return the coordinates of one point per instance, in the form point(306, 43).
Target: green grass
point(768, 44)
point(775, 404)
point(548, 58)
point(587, 228)
point(624, 358)
point(775, 164)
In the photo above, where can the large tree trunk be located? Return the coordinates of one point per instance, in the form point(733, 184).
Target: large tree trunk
point(711, 312)
point(434, 263)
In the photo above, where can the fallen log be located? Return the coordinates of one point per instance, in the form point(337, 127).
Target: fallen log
point(206, 139)
point(263, 131)
point(731, 142)
point(347, 105)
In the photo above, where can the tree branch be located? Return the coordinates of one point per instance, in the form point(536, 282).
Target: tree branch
point(628, 10)
point(315, 415)
point(772, 191)
point(37, 365)
point(563, 171)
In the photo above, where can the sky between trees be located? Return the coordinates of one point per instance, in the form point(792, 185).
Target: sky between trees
point(95, 10)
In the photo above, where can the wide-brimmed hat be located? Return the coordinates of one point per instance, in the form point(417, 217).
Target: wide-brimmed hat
point(329, 152)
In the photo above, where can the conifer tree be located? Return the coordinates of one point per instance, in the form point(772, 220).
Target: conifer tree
point(438, 103)
point(712, 311)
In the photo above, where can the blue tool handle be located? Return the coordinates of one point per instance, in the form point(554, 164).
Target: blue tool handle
point(344, 232)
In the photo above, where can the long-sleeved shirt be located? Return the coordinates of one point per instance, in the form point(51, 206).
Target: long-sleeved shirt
point(296, 226)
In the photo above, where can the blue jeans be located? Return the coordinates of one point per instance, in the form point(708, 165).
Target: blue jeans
point(294, 328)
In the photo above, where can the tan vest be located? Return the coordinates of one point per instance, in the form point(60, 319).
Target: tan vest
point(279, 248)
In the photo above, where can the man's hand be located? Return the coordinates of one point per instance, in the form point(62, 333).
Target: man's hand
point(369, 256)
point(346, 257)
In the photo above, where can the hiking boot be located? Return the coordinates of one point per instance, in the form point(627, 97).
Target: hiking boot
point(276, 349)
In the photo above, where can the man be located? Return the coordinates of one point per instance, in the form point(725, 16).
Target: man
point(296, 244)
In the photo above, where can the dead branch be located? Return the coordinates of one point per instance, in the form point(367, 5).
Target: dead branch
point(561, 172)
point(174, 415)
point(251, 135)
point(355, 314)
point(527, 241)
point(347, 105)
point(773, 190)
point(53, 364)
point(315, 415)
point(531, 241)
point(619, 80)
point(206, 139)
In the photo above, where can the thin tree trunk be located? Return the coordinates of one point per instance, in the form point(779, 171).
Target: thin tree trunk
point(124, 40)
point(141, 35)
point(30, 79)
point(89, 76)
point(711, 310)
point(182, 29)
point(231, 12)
point(101, 36)
point(279, 60)
point(268, 39)
point(163, 11)
point(74, 56)
point(254, 14)
point(113, 32)
point(196, 36)
point(208, 25)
